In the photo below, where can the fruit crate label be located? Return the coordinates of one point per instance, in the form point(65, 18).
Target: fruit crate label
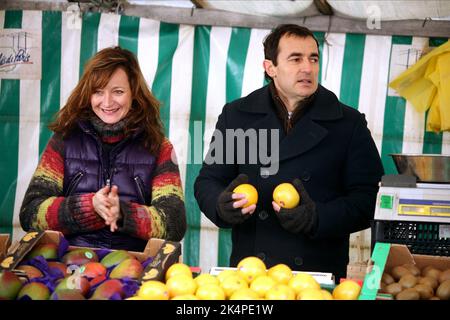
point(26, 244)
point(168, 254)
point(372, 279)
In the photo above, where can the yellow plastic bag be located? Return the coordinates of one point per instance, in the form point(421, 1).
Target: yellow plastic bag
point(426, 84)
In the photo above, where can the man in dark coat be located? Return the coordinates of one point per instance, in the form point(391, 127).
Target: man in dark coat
point(292, 130)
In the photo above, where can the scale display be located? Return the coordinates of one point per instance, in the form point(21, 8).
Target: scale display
point(427, 203)
point(438, 208)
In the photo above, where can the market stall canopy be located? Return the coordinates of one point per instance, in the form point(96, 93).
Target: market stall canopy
point(387, 10)
point(407, 17)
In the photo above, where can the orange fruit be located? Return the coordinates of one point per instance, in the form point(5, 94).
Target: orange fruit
point(302, 281)
point(153, 290)
point(286, 196)
point(281, 273)
point(250, 268)
point(178, 268)
point(244, 294)
point(181, 284)
point(233, 283)
point(280, 292)
point(210, 292)
point(251, 194)
point(262, 284)
point(346, 290)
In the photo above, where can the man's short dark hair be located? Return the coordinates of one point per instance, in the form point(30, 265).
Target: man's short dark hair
point(272, 40)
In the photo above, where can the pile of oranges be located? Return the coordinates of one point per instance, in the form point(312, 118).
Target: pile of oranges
point(249, 281)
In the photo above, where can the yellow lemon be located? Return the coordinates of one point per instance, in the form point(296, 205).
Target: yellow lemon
point(286, 196)
point(210, 292)
point(225, 274)
point(346, 290)
point(262, 284)
point(280, 292)
point(185, 297)
point(251, 194)
point(205, 278)
point(181, 284)
point(327, 295)
point(233, 283)
point(153, 290)
point(244, 294)
point(178, 268)
point(134, 298)
point(250, 268)
point(281, 273)
point(310, 294)
point(303, 281)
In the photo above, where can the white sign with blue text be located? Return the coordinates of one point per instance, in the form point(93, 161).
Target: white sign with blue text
point(20, 54)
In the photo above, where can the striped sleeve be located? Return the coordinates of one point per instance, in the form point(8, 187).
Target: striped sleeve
point(165, 218)
point(45, 208)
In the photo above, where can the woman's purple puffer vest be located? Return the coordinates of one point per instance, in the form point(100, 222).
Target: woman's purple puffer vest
point(87, 169)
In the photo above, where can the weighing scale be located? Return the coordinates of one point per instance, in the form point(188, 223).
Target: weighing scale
point(415, 214)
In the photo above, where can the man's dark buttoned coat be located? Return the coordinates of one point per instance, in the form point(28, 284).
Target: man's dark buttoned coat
point(330, 149)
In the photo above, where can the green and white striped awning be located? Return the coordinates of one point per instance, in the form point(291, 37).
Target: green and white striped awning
point(194, 71)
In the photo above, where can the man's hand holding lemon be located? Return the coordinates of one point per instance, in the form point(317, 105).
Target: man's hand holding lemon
point(294, 218)
point(237, 206)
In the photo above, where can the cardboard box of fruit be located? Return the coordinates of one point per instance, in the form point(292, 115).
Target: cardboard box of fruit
point(45, 266)
point(5, 242)
point(398, 274)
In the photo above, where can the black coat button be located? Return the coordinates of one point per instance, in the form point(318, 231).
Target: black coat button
point(262, 256)
point(298, 261)
point(263, 215)
point(306, 176)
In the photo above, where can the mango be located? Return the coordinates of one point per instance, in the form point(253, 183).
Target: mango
point(10, 285)
point(107, 289)
point(60, 266)
point(79, 257)
point(46, 250)
point(67, 294)
point(34, 290)
point(116, 257)
point(74, 282)
point(32, 272)
point(93, 269)
point(129, 268)
point(95, 281)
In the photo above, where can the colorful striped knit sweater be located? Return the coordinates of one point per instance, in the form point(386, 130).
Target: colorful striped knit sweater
point(45, 208)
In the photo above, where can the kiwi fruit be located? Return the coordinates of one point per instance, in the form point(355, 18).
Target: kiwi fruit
point(425, 269)
point(425, 291)
point(412, 268)
point(408, 294)
point(408, 281)
point(394, 288)
point(399, 271)
point(444, 276)
point(387, 278)
point(443, 291)
point(432, 272)
point(432, 282)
